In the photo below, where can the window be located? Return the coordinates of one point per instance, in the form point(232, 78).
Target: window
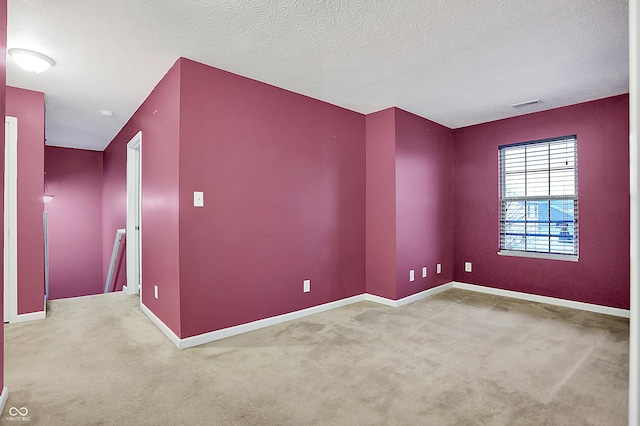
point(539, 199)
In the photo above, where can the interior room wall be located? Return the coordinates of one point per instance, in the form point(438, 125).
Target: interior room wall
point(381, 203)
point(409, 203)
point(283, 177)
point(74, 176)
point(424, 202)
point(28, 107)
point(158, 119)
point(114, 200)
point(602, 274)
point(287, 183)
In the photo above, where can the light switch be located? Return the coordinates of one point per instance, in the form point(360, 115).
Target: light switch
point(198, 199)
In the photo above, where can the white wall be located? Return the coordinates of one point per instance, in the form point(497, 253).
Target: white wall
point(634, 164)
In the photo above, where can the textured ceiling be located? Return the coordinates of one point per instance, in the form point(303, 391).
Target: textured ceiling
point(456, 62)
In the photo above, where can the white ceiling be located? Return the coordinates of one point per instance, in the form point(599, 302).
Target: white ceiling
point(456, 62)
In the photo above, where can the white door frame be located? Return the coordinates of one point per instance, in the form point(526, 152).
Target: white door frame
point(634, 171)
point(134, 215)
point(11, 220)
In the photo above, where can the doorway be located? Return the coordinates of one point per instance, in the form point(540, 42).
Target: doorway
point(134, 216)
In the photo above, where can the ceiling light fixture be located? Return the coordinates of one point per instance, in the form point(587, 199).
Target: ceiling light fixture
point(31, 61)
point(526, 103)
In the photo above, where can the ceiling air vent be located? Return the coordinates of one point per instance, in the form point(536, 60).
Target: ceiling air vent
point(526, 103)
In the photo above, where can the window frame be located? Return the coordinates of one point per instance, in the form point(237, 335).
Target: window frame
point(502, 199)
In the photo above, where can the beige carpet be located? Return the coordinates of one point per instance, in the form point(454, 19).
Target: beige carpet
point(457, 358)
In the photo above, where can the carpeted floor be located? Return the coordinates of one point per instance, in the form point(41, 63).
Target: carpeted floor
point(457, 358)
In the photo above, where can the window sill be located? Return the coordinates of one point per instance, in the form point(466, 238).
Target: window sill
point(534, 255)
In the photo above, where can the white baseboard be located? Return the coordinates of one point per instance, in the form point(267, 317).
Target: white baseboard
point(408, 299)
point(212, 336)
point(256, 325)
point(161, 325)
point(379, 299)
point(32, 316)
point(3, 399)
point(624, 313)
point(128, 291)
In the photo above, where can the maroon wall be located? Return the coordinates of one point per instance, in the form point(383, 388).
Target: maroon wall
point(283, 177)
point(74, 176)
point(381, 203)
point(299, 189)
point(602, 274)
point(409, 203)
point(158, 119)
point(114, 200)
point(424, 202)
point(28, 107)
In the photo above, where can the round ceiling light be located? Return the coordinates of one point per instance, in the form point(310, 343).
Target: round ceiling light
point(31, 61)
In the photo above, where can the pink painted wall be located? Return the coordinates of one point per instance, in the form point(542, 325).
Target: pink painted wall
point(381, 203)
point(409, 203)
point(424, 202)
point(74, 176)
point(283, 177)
point(602, 274)
point(114, 200)
point(158, 119)
point(28, 107)
point(299, 189)
point(3, 97)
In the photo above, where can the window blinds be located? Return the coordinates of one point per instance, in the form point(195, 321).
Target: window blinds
point(539, 196)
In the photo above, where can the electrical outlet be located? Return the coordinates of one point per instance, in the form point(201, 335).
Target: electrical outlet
point(439, 268)
point(424, 272)
point(306, 286)
point(155, 291)
point(411, 275)
point(198, 199)
point(467, 266)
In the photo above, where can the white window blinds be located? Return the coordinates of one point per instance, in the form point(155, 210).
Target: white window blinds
point(539, 197)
